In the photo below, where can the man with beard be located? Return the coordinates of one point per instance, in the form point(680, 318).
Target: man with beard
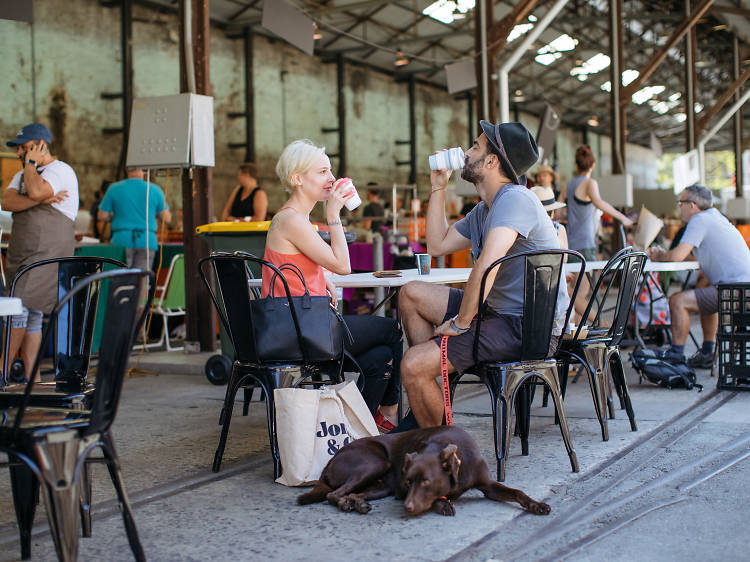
point(508, 219)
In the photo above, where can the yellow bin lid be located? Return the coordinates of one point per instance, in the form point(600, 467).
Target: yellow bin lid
point(231, 226)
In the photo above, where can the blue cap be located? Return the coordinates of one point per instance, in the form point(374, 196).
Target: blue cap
point(34, 131)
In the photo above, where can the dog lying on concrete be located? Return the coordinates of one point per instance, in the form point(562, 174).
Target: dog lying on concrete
point(427, 468)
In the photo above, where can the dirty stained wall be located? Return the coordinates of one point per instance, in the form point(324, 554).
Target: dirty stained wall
point(76, 46)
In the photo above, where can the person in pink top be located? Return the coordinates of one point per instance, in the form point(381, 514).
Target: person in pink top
point(305, 171)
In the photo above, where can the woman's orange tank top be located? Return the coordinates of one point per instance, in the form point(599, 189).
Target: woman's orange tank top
point(312, 272)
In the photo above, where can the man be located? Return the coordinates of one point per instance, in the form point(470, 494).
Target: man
point(43, 198)
point(374, 208)
point(724, 258)
point(125, 205)
point(509, 219)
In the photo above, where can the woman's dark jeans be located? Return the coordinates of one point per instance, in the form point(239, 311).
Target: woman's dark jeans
point(378, 349)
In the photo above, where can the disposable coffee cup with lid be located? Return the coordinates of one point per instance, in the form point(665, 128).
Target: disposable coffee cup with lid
point(352, 199)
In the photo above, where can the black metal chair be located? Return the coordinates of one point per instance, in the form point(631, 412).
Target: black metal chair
point(598, 351)
point(232, 301)
point(52, 445)
point(73, 334)
point(507, 382)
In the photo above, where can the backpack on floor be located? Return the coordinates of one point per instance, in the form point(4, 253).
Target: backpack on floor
point(668, 375)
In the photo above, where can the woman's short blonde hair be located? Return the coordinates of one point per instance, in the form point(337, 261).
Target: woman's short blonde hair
point(297, 158)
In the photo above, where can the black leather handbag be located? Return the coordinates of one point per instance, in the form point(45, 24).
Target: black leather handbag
point(322, 328)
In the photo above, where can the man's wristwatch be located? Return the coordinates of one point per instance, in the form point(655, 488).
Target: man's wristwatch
point(456, 328)
point(32, 162)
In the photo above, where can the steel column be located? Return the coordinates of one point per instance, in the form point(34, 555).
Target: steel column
point(247, 43)
point(738, 171)
point(690, 80)
point(197, 184)
point(341, 109)
point(616, 91)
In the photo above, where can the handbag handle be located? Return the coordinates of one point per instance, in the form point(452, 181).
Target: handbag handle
point(294, 269)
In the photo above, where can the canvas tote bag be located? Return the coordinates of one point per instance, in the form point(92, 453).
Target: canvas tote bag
point(312, 424)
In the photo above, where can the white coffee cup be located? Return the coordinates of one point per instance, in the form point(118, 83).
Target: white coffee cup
point(352, 199)
point(450, 159)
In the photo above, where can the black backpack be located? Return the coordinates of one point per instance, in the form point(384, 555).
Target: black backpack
point(663, 373)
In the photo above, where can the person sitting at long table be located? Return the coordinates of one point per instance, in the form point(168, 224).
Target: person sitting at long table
point(509, 219)
point(723, 256)
point(305, 170)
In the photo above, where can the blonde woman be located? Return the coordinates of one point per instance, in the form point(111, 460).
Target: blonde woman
point(305, 170)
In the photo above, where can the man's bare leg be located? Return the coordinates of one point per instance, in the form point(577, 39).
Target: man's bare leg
point(710, 325)
point(680, 307)
point(419, 368)
point(422, 307)
point(29, 351)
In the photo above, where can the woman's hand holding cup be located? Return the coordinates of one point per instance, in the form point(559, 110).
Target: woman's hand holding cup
point(345, 186)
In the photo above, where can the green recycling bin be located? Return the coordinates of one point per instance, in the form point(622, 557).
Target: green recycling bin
point(231, 237)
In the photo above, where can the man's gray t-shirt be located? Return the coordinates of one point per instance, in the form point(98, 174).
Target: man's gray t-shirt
point(517, 208)
point(719, 247)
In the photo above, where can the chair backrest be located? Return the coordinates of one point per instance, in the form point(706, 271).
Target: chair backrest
point(621, 274)
point(543, 272)
point(233, 273)
point(73, 327)
point(126, 298)
point(173, 296)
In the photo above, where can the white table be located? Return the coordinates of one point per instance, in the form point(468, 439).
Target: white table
point(650, 266)
point(10, 306)
point(438, 275)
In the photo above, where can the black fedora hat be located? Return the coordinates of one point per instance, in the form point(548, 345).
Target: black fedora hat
point(515, 146)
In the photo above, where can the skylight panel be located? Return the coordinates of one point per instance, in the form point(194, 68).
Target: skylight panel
point(447, 11)
point(517, 31)
point(645, 94)
point(595, 64)
point(554, 49)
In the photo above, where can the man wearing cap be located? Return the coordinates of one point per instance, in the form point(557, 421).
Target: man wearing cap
point(723, 256)
point(508, 219)
point(43, 198)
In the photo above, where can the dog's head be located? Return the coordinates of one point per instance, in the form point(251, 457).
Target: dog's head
point(428, 477)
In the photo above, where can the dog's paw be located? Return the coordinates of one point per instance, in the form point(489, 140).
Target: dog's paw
point(444, 507)
point(362, 506)
point(539, 508)
point(346, 504)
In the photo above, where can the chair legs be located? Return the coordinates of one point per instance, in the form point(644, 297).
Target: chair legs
point(60, 492)
point(113, 464)
point(85, 500)
point(25, 487)
point(621, 385)
point(596, 370)
point(510, 387)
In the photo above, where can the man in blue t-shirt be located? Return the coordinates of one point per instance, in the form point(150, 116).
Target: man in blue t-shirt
point(509, 219)
point(723, 256)
point(125, 205)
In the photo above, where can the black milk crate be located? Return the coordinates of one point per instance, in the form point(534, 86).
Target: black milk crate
point(734, 362)
point(734, 308)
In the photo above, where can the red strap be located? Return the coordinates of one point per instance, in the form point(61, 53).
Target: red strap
point(446, 382)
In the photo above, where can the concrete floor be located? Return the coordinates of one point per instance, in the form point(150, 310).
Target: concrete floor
point(641, 495)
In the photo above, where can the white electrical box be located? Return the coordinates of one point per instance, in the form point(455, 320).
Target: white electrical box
point(172, 132)
point(686, 170)
point(617, 190)
point(738, 208)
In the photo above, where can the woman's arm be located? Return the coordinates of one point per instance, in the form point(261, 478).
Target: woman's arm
point(299, 232)
point(225, 216)
point(260, 205)
point(592, 190)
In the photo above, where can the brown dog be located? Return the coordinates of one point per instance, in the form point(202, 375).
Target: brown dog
point(427, 468)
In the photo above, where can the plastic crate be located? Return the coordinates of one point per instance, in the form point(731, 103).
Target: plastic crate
point(734, 309)
point(734, 367)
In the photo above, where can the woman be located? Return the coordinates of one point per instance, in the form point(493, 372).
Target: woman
point(305, 170)
point(582, 194)
point(247, 199)
point(547, 197)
